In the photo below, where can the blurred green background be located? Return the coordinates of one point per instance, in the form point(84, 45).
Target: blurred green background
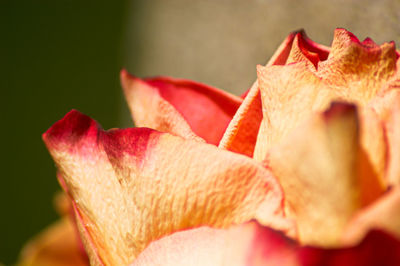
point(60, 55)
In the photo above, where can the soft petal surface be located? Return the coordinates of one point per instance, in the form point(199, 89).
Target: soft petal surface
point(252, 245)
point(321, 168)
point(133, 186)
point(58, 245)
point(182, 107)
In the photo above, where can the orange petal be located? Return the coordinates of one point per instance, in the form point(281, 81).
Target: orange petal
point(182, 107)
point(289, 95)
point(357, 71)
point(242, 131)
point(253, 245)
point(320, 168)
point(56, 246)
point(241, 134)
point(133, 186)
point(384, 214)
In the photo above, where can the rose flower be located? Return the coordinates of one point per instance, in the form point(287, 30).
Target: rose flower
point(303, 169)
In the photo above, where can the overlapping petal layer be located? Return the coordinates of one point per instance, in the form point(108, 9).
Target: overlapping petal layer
point(320, 166)
point(253, 245)
point(242, 132)
point(182, 107)
point(353, 71)
point(133, 186)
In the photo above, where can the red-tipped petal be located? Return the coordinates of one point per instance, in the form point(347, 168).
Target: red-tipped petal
point(182, 107)
point(133, 186)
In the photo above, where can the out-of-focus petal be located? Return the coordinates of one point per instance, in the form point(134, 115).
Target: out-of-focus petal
point(253, 245)
point(387, 106)
point(182, 107)
point(321, 169)
point(355, 70)
point(58, 245)
point(133, 186)
point(384, 214)
point(248, 244)
point(374, 142)
point(242, 131)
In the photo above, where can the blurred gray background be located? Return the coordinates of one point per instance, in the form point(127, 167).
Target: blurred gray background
point(66, 54)
point(220, 42)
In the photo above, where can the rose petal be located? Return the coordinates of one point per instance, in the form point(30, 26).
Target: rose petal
point(56, 246)
point(320, 167)
point(182, 107)
point(357, 71)
point(251, 245)
point(384, 214)
point(242, 131)
point(289, 95)
point(133, 186)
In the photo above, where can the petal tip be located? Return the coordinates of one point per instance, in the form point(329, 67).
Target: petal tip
point(69, 129)
point(126, 78)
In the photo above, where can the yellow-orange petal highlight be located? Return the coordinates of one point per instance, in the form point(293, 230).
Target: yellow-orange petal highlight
point(56, 246)
point(318, 166)
point(133, 186)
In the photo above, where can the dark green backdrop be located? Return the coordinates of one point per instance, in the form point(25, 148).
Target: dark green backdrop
point(55, 56)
